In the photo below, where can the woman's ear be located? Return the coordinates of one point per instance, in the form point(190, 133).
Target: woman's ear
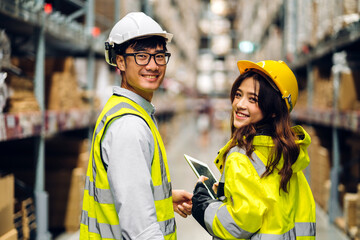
point(120, 62)
point(273, 115)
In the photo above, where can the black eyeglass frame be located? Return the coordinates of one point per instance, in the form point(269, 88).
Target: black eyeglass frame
point(168, 55)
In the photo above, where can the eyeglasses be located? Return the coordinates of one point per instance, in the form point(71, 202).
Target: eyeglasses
point(143, 59)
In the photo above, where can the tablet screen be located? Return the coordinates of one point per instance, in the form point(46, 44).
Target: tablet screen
point(201, 168)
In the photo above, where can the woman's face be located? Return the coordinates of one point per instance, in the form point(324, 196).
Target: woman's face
point(245, 105)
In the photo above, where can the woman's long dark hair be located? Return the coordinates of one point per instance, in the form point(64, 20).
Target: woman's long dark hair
point(277, 118)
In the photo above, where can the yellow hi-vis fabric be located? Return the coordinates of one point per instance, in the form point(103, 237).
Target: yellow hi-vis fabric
point(99, 218)
point(254, 207)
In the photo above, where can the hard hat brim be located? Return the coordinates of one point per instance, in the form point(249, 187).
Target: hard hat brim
point(244, 66)
point(168, 37)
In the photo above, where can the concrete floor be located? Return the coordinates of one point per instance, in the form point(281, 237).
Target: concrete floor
point(181, 138)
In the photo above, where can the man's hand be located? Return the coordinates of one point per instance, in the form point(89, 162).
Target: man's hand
point(182, 202)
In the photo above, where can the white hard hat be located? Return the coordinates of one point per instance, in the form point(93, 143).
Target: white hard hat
point(133, 25)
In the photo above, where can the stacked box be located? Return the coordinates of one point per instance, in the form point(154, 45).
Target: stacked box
point(358, 212)
point(323, 88)
point(350, 6)
point(105, 11)
point(302, 101)
point(319, 170)
point(346, 14)
point(351, 161)
point(22, 97)
point(65, 161)
point(19, 224)
point(21, 88)
point(7, 228)
point(63, 91)
point(11, 235)
point(305, 29)
point(65, 188)
point(25, 219)
point(65, 181)
point(67, 153)
point(349, 90)
point(325, 19)
point(28, 218)
point(74, 201)
point(350, 201)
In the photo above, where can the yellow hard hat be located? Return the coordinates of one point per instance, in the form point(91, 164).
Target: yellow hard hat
point(280, 74)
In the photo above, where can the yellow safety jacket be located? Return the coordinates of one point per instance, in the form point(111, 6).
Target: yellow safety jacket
point(254, 207)
point(99, 218)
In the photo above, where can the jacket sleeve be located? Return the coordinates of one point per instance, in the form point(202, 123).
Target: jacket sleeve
point(240, 215)
point(200, 200)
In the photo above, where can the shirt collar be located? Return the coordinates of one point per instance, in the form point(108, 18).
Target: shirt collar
point(146, 105)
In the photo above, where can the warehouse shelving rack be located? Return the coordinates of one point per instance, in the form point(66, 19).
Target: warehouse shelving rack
point(334, 47)
point(51, 30)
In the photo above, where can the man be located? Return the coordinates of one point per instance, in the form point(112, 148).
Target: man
point(128, 192)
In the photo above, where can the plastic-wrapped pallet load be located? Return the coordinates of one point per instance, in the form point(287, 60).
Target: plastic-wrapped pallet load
point(3, 91)
point(305, 30)
point(4, 61)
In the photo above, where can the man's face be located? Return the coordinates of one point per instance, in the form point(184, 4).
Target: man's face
point(143, 80)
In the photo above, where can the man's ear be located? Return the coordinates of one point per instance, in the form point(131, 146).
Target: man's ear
point(120, 62)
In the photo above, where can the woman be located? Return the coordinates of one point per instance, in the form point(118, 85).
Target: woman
point(263, 193)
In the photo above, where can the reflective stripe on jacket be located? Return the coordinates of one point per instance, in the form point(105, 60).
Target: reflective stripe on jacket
point(254, 207)
point(99, 218)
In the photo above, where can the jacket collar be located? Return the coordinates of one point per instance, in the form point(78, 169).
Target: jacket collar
point(262, 144)
point(146, 105)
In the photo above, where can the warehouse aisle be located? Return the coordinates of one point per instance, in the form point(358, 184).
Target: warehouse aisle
point(187, 140)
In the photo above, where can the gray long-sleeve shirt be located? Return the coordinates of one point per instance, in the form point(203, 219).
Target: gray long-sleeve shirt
point(128, 149)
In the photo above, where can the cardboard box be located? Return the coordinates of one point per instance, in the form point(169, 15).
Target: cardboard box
point(6, 204)
point(320, 166)
point(66, 189)
point(323, 94)
point(10, 235)
point(74, 206)
point(350, 200)
point(349, 90)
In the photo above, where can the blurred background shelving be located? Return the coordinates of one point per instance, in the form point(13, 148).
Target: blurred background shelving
point(54, 81)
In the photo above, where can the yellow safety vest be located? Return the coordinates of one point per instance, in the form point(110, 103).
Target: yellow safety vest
point(99, 219)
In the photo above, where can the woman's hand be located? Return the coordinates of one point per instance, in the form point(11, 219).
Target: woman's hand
point(202, 179)
point(215, 187)
point(182, 202)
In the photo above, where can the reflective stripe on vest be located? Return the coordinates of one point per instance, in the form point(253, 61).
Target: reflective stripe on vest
point(257, 163)
point(302, 229)
point(103, 229)
point(218, 209)
point(99, 215)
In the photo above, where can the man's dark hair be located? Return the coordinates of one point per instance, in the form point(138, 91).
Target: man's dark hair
point(140, 44)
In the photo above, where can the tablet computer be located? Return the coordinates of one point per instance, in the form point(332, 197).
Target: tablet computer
point(201, 168)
